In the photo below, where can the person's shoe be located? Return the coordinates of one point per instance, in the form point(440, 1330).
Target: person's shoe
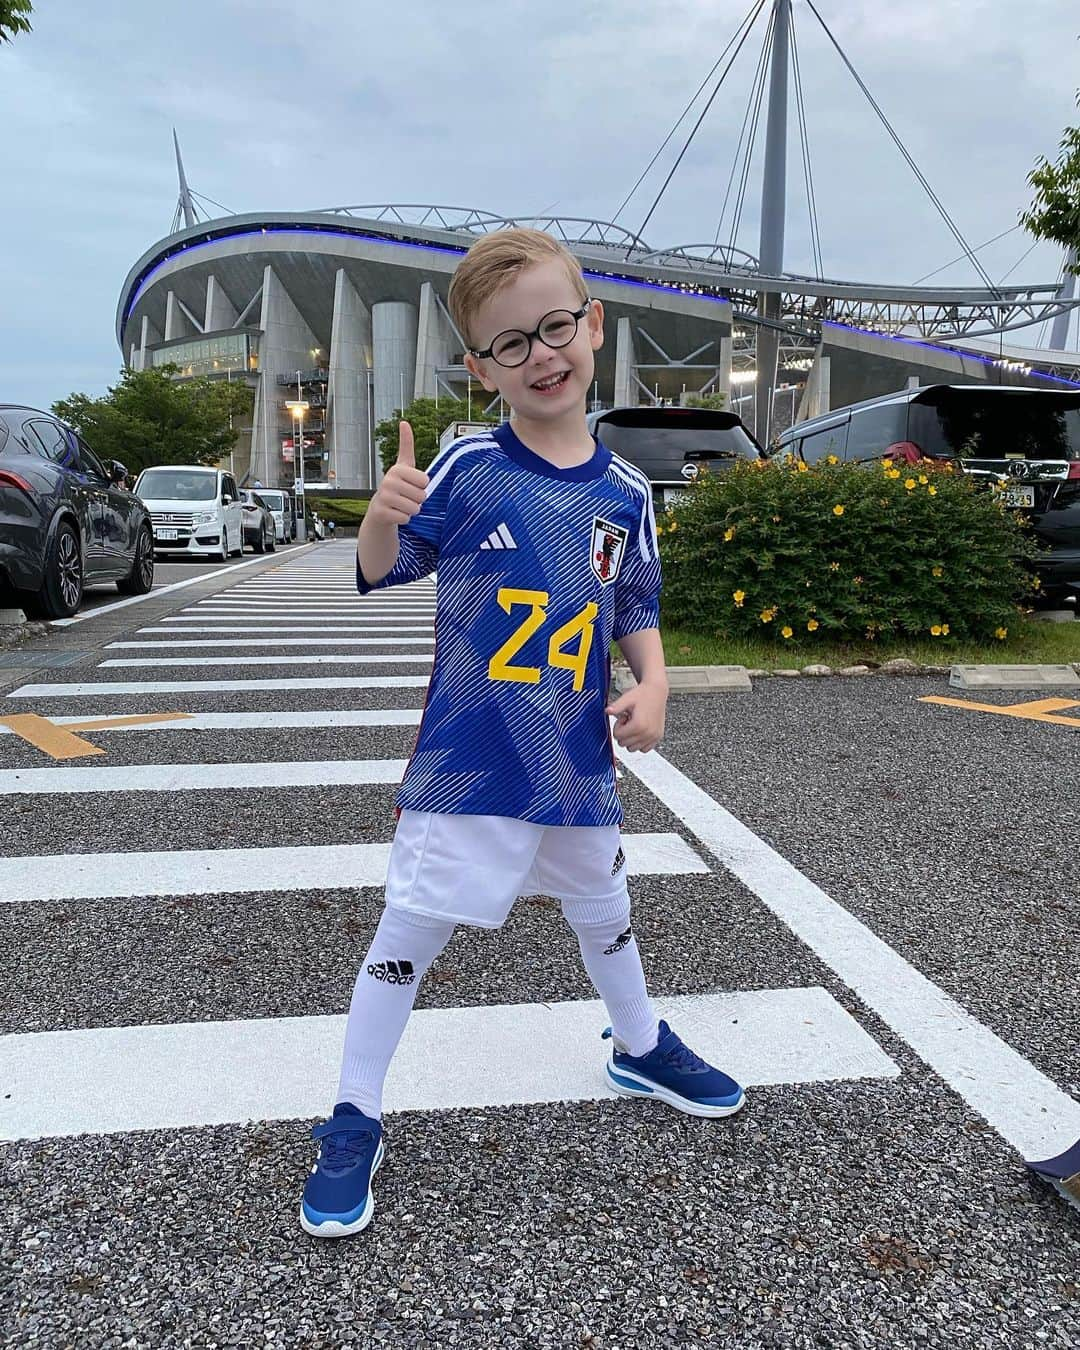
point(337, 1194)
point(674, 1074)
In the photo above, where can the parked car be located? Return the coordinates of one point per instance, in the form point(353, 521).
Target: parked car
point(1025, 437)
point(670, 444)
point(195, 510)
point(260, 530)
point(281, 509)
point(64, 522)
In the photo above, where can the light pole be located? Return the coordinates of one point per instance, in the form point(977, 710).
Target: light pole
point(298, 407)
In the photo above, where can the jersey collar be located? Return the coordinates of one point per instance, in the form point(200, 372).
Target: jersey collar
point(520, 453)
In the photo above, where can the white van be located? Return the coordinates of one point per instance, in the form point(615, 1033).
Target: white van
point(278, 505)
point(194, 509)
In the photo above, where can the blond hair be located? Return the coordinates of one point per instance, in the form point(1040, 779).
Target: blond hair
point(494, 261)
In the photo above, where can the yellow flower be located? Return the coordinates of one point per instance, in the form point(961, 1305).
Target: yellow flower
point(776, 519)
point(834, 567)
point(892, 473)
point(767, 615)
point(932, 491)
point(886, 463)
point(729, 534)
point(813, 626)
point(831, 459)
point(673, 527)
point(1001, 633)
point(936, 630)
point(909, 483)
point(945, 630)
point(803, 466)
point(659, 529)
point(923, 479)
point(738, 597)
point(838, 510)
point(937, 571)
point(785, 632)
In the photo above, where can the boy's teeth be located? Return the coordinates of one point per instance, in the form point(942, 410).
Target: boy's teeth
point(546, 384)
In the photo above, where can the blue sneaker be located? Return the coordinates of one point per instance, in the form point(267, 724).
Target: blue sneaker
point(676, 1075)
point(337, 1194)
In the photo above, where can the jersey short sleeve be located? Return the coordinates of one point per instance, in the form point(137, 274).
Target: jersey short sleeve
point(637, 590)
point(419, 541)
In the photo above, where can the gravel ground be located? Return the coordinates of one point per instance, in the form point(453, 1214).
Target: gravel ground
point(858, 1214)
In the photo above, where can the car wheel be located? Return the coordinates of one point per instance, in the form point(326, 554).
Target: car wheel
point(61, 594)
point(260, 542)
point(273, 541)
point(141, 579)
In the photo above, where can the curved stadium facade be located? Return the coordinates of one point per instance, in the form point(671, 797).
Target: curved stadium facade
point(349, 311)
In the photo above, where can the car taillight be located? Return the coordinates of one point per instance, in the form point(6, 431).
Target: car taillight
point(1074, 469)
point(8, 478)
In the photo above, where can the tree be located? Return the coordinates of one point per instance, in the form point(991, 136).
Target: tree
point(149, 418)
point(716, 402)
point(428, 422)
point(14, 18)
point(1055, 211)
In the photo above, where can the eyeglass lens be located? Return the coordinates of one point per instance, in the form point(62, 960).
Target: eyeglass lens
point(556, 330)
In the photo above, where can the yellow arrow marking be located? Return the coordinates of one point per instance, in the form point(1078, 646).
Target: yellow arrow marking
point(62, 742)
point(1037, 710)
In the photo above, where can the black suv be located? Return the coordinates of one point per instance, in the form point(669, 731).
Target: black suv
point(1026, 438)
point(65, 522)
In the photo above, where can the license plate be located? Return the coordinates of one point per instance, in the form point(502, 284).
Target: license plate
point(1020, 496)
point(165, 534)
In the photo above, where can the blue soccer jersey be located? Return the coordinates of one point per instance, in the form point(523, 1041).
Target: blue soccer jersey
point(539, 568)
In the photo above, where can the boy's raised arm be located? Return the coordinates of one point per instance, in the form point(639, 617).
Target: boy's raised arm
point(398, 498)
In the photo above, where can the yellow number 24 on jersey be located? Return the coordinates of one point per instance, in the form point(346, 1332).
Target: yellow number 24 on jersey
point(580, 626)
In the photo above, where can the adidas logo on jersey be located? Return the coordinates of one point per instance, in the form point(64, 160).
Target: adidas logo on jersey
point(620, 858)
point(500, 538)
point(392, 972)
point(619, 943)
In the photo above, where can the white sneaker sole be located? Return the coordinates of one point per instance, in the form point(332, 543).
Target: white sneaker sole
point(331, 1228)
point(650, 1089)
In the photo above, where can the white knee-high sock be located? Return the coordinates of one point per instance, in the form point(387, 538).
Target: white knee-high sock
point(613, 963)
point(404, 946)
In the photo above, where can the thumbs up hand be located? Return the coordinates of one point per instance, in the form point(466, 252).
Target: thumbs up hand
point(401, 493)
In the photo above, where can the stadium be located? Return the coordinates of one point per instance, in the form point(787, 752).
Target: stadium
point(344, 309)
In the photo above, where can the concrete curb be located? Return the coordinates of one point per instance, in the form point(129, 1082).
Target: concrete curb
point(711, 679)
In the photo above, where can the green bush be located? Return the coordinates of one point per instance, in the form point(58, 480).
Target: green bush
point(837, 552)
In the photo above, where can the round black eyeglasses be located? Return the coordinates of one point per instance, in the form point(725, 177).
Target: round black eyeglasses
point(513, 347)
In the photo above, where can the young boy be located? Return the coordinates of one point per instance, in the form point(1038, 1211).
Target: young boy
point(546, 550)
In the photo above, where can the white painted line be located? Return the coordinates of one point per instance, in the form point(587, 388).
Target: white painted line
point(236, 871)
point(281, 602)
point(168, 645)
point(185, 626)
point(316, 659)
point(201, 777)
point(167, 1076)
point(108, 689)
point(342, 616)
point(255, 721)
point(157, 591)
point(1026, 1108)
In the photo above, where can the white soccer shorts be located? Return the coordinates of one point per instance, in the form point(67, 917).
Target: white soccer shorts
point(471, 868)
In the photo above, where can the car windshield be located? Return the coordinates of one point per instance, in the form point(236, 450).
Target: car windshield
point(1002, 424)
point(177, 485)
point(660, 441)
point(272, 500)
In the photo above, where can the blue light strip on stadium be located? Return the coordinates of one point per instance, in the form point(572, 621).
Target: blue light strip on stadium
point(945, 351)
point(369, 237)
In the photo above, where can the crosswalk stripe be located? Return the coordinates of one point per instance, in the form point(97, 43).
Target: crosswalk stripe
point(256, 721)
point(315, 659)
point(226, 871)
point(168, 644)
point(110, 1079)
point(201, 777)
point(108, 688)
point(184, 626)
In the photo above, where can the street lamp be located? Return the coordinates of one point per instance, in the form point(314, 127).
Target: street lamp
point(298, 407)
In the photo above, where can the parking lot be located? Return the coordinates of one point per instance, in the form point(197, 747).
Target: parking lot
point(862, 904)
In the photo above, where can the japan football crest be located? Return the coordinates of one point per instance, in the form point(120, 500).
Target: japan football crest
point(608, 547)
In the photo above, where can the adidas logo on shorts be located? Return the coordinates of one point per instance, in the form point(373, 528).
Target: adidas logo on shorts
point(619, 943)
point(620, 858)
point(392, 972)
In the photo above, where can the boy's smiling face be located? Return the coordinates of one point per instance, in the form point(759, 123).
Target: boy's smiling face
point(553, 382)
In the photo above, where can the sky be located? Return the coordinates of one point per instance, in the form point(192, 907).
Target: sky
point(515, 107)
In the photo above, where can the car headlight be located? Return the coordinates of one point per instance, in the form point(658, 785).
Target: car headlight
point(204, 518)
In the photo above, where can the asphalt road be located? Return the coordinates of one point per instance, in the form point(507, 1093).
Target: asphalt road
point(863, 904)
